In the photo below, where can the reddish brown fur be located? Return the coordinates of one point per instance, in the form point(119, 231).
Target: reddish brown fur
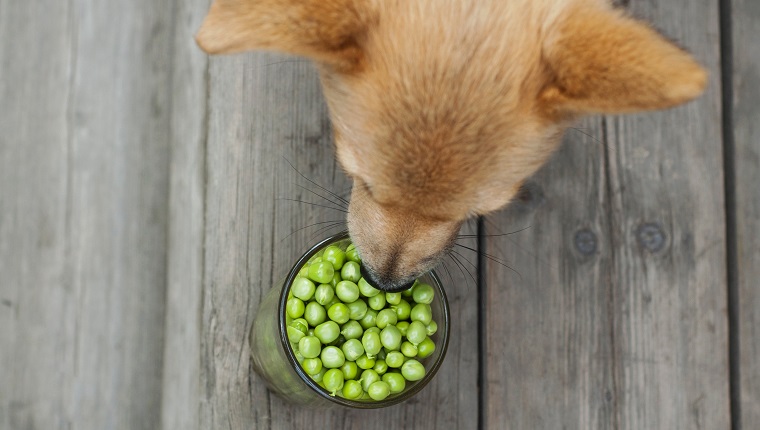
point(442, 108)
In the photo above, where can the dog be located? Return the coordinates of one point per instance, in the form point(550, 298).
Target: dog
point(442, 108)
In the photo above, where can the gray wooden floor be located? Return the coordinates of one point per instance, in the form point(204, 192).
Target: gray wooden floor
point(147, 204)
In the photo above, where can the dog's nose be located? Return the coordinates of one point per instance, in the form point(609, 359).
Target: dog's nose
point(382, 283)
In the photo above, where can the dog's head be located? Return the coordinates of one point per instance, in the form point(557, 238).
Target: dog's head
point(442, 108)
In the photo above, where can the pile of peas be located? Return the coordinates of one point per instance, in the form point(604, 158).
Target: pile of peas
point(352, 339)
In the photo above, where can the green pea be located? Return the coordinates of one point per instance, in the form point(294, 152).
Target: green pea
point(324, 294)
point(379, 390)
point(425, 348)
point(403, 310)
point(381, 354)
point(409, 291)
point(413, 370)
point(300, 358)
point(374, 329)
point(327, 331)
point(318, 377)
point(335, 279)
point(312, 366)
point(333, 380)
point(294, 335)
point(366, 289)
point(304, 272)
point(422, 312)
point(386, 317)
point(371, 343)
point(334, 255)
point(423, 293)
point(390, 337)
point(380, 367)
point(376, 302)
point(365, 362)
point(402, 326)
point(352, 349)
point(321, 272)
point(369, 377)
point(393, 298)
point(351, 271)
point(338, 313)
point(369, 319)
point(352, 254)
point(395, 359)
point(416, 333)
point(352, 390)
point(309, 346)
point(294, 307)
point(347, 291)
point(300, 324)
point(315, 314)
point(408, 349)
point(349, 369)
point(357, 309)
point(303, 288)
point(432, 328)
point(352, 330)
point(332, 357)
point(395, 381)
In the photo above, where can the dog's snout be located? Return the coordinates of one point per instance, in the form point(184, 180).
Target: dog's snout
point(383, 282)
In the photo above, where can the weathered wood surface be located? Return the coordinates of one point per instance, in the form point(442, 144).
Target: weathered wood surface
point(84, 162)
point(617, 318)
point(746, 91)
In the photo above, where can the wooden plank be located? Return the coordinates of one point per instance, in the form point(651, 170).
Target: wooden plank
point(746, 90)
point(265, 109)
point(620, 334)
point(84, 185)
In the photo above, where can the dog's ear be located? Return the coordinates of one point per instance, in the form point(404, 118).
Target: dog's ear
point(602, 61)
point(324, 30)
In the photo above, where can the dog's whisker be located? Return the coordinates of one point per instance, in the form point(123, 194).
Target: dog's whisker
point(310, 225)
point(474, 236)
point(313, 204)
point(340, 205)
point(316, 184)
point(489, 257)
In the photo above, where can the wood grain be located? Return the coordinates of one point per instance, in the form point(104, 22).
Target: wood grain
point(746, 91)
point(84, 186)
point(630, 333)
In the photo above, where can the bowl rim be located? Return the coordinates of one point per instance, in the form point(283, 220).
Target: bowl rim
point(289, 353)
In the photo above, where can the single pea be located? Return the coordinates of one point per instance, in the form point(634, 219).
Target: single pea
point(318, 377)
point(408, 349)
point(390, 337)
point(312, 366)
point(337, 342)
point(352, 330)
point(352, 349)
point(432, 328)
point(379, 390)
point(371, 343)
point(380, 367)
point(393, 298)
point(294, 335)
point(315, 258)
point(303, 288)
point(403, 310)
point(416, 333)
point(402, 326)
point(366, 289)
point(349, 369)
point(333, 380)
point(369, 377)
point(425, 348)
point(327, 332)
point(335, 279)
point(386, 317)
point(324, 294)
point(334, 255)
point(369, 319)
point(332, 357)
point(423, 293)
point(413, 370)
point(351, 271)
point(304, 272)
point(315, 314)
point(381, 354)
point(338, 313)
point(409, 291)
point(376, 302)
point(347, 291)
point(321, 272)
point(421, 312)
point(294, 307)
point(334, 300)
point(395, 359)
point(365, 362)
point(375, 329)
point(357, 309)
point(395, 381)
point(309, 347)
point(353, 254)
point(352, 390)
point(300, 324)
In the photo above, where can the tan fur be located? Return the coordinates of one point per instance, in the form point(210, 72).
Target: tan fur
point(441, 108)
